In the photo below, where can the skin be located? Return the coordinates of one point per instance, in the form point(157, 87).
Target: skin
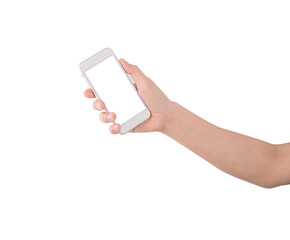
point(258, 162)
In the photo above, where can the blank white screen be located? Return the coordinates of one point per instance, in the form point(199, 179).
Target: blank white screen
point(115, 90)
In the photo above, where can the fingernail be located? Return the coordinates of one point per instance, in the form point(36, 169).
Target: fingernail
point(115, 127)
point(109, 117)
point(97, 105)
point(125, 61)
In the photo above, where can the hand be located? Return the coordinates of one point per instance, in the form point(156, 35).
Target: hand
point(153, 97)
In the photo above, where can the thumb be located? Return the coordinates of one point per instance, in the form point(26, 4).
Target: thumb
point(137, 75)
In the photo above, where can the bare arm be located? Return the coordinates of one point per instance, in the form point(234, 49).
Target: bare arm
point(247, 158)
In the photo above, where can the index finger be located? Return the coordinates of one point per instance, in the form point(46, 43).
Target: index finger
point(89, 93)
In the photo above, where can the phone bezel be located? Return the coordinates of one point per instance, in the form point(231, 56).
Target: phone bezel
point(95, 60)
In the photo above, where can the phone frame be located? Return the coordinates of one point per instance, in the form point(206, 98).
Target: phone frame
point(95, 60)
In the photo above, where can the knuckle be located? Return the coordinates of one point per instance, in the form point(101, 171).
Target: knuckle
point(136, 68)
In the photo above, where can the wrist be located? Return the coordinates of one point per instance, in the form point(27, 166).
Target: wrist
point(170, 117)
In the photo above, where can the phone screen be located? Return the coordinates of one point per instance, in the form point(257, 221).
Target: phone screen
point(115, 90)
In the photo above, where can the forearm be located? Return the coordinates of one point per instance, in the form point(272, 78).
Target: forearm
point(241, 156)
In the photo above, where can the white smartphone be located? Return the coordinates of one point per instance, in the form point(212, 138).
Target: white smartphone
point(111, 84)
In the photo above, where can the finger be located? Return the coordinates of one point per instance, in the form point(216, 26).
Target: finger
point(137, 75)
point(129, 68)
point(107, 117)
point(99, 105)
point(89, 93)
point(144, 127)
point(115, 128)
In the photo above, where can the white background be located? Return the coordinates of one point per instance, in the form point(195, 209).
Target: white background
point(63, 176)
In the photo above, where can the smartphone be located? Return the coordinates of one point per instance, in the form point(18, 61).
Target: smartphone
point(111, 84)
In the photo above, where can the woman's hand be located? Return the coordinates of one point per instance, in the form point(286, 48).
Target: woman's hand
point(157, 102)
